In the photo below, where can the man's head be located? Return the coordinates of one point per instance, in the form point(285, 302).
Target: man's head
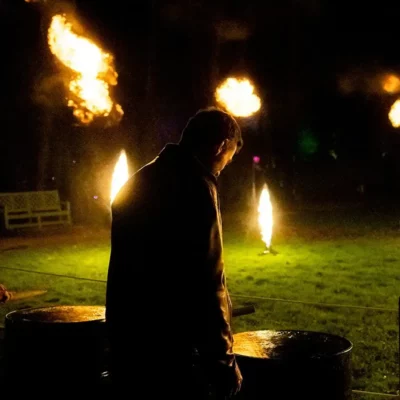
point(214, 137)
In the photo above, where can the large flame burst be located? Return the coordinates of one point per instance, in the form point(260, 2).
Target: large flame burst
point(265, 217)
point(391, 83)
point(394, 114)
point(93, 71)
point(120, 175)
point(237, 96)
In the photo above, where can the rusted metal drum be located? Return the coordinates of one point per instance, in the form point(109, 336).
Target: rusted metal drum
point(62, 345)
point(293, 365)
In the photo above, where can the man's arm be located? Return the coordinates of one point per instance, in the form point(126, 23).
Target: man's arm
point(214, 334)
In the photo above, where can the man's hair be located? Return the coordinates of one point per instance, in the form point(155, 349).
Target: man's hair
point(209, 127)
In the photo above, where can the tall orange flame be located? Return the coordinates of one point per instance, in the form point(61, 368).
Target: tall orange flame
point(120, 175)
point(265, 217)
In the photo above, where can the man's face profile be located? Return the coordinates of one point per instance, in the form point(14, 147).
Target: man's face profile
point(224, 156)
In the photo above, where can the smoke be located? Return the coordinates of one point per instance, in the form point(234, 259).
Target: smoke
point(232, 30)
point(369, 82)
point(48, 91)
point(51, 7)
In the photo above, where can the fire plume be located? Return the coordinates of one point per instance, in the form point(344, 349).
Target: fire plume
point(237, 96)
point(394, 114)
point(391, 84)
point(120, 175)
point(93, 71)
point(265, 217)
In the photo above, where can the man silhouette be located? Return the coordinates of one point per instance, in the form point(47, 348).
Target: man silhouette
point(166, 292)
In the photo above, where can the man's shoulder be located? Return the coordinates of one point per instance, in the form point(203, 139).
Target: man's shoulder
point(135, 184)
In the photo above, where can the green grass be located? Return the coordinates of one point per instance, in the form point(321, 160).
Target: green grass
point(324, 257)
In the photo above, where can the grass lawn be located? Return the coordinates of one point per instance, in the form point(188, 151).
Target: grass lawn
point(349, 257)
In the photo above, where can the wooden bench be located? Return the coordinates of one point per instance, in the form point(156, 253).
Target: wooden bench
point(34, 209)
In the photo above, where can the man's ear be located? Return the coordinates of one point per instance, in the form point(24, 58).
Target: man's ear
point(221, 147)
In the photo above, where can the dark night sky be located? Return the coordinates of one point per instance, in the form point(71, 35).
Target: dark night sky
point(168, 58)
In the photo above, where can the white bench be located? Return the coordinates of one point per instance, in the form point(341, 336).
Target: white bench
point(34, 209)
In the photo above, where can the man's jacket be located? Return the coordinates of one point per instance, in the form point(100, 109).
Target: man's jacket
point(166, 289)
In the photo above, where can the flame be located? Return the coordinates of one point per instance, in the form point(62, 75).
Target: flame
point(394, 114)
point(94, 73)
point(120, 175)
point(265, 218)
point(391, 84)
point(236, 95)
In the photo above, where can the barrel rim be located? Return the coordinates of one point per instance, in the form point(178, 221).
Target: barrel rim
point(8, 317)
point(338, 353)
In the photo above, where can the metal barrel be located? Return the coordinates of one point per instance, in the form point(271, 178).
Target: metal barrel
point(62, 345)
point(293, 365)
